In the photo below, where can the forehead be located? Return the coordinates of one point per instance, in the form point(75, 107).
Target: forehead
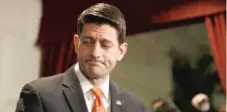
point(104, 31)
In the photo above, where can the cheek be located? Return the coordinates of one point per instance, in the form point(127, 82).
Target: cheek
point(83, 52)
point(112, 59)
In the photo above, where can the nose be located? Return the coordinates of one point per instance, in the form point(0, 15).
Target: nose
point(96, 51)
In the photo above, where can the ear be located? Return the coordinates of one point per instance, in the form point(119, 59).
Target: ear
point(76, 42)
point(123, 49)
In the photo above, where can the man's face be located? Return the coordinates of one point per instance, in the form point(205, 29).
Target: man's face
point(98, 50)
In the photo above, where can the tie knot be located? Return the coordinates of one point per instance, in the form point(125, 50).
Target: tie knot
point(97, 92)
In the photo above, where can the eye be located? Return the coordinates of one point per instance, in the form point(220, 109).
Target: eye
point(107, 44)
point(86, 41)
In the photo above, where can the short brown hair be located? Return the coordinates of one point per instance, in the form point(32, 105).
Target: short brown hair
point(102, 13)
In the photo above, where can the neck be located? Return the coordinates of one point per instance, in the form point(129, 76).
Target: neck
point(99, 81)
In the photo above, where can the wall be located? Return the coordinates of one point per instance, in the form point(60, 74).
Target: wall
point(19, 58)
point(146, 69)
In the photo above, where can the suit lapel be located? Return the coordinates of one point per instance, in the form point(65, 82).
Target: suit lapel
point(116, 102)
point(74, 96)
point(73, 92)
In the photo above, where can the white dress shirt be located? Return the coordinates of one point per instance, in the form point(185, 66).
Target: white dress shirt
point(87, 86)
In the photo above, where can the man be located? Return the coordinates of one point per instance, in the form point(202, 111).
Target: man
point(86, 87)
point(188, 81)
point(201, 102)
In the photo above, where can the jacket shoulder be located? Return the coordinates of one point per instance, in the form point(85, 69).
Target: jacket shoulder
point(47, 84)
point(134, 102)
point(133, 98)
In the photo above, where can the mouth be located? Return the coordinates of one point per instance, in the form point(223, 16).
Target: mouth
point(94, 62)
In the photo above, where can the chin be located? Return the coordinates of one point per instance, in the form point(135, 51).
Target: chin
point(96, 74)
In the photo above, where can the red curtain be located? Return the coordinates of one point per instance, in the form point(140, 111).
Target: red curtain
point(57, 57)
point(217, 36)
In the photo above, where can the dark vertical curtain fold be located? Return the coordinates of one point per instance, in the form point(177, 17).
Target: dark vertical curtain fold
point(57, 57)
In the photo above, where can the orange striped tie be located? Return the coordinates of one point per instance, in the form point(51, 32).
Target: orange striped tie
point(97, 105)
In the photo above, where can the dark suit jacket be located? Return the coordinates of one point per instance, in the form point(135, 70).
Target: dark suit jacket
point(63, 93)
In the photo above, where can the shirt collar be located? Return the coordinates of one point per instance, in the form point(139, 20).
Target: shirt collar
point(86, 84)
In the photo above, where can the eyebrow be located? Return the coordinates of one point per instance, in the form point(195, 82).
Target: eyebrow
point(102, 39)
point(108, 41)
point(87, 37)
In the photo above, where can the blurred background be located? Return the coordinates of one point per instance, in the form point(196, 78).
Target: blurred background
point(177, 48)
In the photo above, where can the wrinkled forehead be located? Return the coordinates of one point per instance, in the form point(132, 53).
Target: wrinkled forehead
point(99, 31)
